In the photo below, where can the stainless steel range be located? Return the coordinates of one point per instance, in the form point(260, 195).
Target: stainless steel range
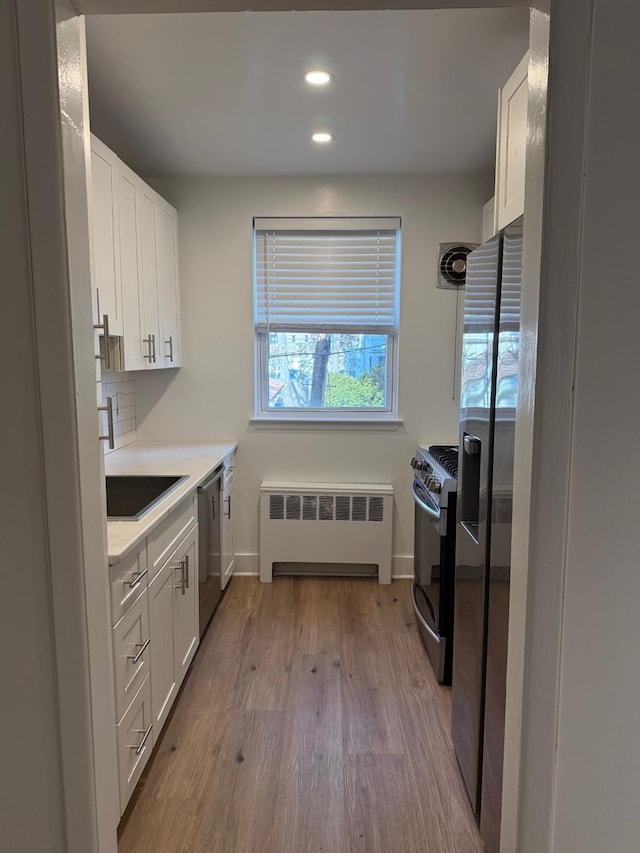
point(434, 493)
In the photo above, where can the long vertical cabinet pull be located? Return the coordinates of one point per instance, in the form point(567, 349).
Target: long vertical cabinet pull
point(149, 342)
point(109, 410)
point(105, 328)
point(182, 568)
point(170, 345)
point(145, 736)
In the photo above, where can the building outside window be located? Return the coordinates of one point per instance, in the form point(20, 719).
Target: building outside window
point(326, 299)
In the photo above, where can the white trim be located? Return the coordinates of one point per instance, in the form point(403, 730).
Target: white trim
point(54, 152)
point(570, 63)
point(402, 567)
point(248, 565)
point(524, 437)
point(336, 423)
point(346, 488)
point(327, 223)
point(140, 6)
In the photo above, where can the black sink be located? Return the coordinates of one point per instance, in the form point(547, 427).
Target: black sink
point(129, 497)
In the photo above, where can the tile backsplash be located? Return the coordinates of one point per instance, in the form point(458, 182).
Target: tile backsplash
point(121, 387)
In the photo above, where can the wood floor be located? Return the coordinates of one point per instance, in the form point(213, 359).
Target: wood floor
point(310, 721)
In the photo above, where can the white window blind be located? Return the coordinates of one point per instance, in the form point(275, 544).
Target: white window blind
point(322, 274)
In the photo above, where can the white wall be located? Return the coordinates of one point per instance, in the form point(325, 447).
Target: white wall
point(212, 396)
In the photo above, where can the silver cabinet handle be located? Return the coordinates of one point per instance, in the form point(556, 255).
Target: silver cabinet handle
point(170, 342)
point(153, 344)
point(133, 583)
point(145, 735)
point(109, 410)
point(150, 345)
point(107, 354)
point(227, 500)
point(135, 658)
point(183, 578)
point(186, 569)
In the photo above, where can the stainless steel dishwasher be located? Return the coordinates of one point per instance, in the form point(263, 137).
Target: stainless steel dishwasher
point(209, 536)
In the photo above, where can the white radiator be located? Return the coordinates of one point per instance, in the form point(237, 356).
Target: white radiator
point(326, 523)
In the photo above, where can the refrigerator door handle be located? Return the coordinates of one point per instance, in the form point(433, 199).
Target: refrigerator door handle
point(472, 445)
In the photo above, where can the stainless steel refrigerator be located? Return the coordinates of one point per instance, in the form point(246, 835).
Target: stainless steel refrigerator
point(488, 395)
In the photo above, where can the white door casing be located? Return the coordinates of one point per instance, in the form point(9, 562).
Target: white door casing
point(562, 215)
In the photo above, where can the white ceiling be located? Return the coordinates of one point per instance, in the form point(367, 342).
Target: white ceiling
point(223, 93)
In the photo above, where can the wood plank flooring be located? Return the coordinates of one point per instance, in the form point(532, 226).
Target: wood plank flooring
point(310, 721)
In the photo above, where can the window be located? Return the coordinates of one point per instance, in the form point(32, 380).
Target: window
point(326, 317)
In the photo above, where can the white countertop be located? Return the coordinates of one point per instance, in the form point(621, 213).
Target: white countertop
point(195, 460)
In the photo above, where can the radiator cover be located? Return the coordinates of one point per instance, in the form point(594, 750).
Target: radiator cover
point(328, 523)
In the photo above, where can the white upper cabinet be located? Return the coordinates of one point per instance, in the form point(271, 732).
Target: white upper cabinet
point(511, 146)
point(148, 287)
point(488, 219)
point(169, 350)
point(105, 248)
point(134, 355)
point(135, 263)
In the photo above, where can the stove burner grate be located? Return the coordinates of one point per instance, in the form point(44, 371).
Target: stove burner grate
point(446, 456)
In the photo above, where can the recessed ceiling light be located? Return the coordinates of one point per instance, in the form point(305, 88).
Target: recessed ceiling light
point(317, 78)
point(322, 137)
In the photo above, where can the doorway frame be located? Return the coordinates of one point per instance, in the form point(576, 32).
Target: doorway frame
point(526, 735)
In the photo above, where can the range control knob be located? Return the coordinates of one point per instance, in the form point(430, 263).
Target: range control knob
point(418, 464)
point(434, 485)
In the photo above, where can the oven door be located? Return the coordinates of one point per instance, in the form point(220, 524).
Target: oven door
point(426, 591)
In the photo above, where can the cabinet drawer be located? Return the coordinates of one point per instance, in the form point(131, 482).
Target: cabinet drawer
point(134, 735)
point(169, 533)
point(128, 580)
point(131, 653)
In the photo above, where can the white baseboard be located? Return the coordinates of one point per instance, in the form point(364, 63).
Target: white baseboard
point(402, 566)
point(249, 565)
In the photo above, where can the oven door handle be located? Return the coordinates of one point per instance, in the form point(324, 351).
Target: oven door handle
point(423, 621)
point(434, 515)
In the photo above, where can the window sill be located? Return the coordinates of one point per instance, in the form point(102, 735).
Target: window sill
point(328, 424)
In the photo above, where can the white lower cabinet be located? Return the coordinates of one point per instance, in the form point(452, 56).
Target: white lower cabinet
point(135, 741)
point(228, 524)
point(186, 629)
point(163, 674)
point(131, 653)
point(155, 636)
point(173, 611)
